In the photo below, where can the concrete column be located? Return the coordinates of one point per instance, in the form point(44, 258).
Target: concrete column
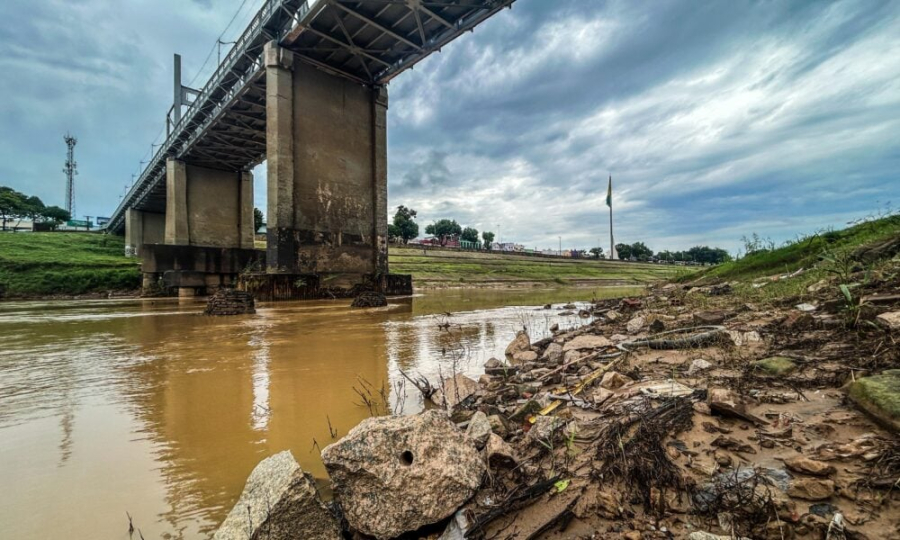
point(134, 232)
point(245, 208)
point(379, 178)
point(177, 231)
point(281, 244)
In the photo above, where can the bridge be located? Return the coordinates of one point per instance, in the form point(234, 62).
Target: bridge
point(304, 89)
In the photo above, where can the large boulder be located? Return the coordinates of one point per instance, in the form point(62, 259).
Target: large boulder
point(397, 474)
point(279, 502)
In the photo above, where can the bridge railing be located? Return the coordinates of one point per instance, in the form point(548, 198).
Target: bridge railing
point(204, 110)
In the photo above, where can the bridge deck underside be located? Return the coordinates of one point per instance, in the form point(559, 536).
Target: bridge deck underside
point(367, 41)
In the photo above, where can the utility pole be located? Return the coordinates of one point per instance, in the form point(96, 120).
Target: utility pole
point(71, 169)
point(560, 246)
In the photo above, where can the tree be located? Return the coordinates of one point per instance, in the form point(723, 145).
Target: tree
point(469, 234)
point(488, 238)
point(55, 215)
point(12, 204)
point(33, 207)
point(597, 252)
point(443, 229)
point(405, 228)
point(393, 233)
point(623, 251)
point(640, 251)
point(257, 220)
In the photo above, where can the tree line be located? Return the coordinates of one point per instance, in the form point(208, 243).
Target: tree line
point(16, 206)
point(404, 228)
point(701, 254)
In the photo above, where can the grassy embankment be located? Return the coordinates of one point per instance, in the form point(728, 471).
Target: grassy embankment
point(827, 254)
point(47, 264)
point(451, 268)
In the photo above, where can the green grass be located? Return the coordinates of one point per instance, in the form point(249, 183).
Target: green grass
point(805, 252)
point(41, 264)
point(446, 267)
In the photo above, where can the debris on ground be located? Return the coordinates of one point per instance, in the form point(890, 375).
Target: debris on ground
point(731, 418)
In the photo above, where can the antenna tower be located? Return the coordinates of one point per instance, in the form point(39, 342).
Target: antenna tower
point(71, 169)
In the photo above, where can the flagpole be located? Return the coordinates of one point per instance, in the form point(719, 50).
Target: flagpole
point(612, 245)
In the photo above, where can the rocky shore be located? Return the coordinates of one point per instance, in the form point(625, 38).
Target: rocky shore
point(685, 413)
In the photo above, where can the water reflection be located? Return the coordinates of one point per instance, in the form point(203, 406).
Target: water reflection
point(148, 407)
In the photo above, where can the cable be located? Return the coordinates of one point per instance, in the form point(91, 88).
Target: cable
point(213, 49)
point(149, 155)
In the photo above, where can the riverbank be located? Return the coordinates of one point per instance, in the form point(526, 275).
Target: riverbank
point(64, 265)
point(438, 268)
point(764, 408)
point(82, 265)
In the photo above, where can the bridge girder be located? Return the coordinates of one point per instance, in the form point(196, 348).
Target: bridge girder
point(367, 41)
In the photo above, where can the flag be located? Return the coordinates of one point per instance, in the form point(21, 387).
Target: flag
point(609, 193)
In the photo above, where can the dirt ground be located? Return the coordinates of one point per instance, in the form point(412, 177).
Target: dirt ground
point(689, 413)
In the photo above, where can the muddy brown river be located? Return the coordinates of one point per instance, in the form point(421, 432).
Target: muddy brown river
point(147, 408)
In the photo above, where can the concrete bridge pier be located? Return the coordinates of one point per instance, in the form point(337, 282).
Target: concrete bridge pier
point(208, 207)
point(326, 146)
point(143, 228)
point(207, 232)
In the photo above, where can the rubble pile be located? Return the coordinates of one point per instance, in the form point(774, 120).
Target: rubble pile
point(369, 299)
point(230, 302)
point(685, 413)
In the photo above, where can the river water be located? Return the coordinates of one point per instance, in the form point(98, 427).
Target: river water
point(147, 408)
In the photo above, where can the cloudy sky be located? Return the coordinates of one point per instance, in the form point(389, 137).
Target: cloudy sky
point(716, 119)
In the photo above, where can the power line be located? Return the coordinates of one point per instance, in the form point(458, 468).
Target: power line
point(147, 157)
point(218, 39)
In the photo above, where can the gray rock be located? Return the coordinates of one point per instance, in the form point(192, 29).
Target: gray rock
point(522, 343)
point(587, 342)
point(456, 529)
point(811, 489)
point(525, 356)
point(279, 502)
point(553, 353)
point(702, 535)
point(396, 474)
point(454, 391)
point(544, 428)
point(699, 365)
point(499, 453)
point(890, 320)
point(479, 429)
point(635, 324)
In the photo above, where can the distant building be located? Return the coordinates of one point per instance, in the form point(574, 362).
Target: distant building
point(20, 225)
